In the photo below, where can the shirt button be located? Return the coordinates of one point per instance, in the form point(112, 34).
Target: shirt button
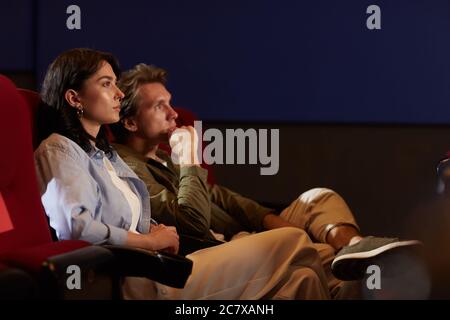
point(127, 226)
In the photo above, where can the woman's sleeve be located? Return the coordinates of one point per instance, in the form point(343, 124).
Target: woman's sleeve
point(70, 196)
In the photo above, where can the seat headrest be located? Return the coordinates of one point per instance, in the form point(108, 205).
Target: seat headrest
point(14, 125)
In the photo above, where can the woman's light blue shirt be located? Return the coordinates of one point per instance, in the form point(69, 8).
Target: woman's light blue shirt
point(79, 197)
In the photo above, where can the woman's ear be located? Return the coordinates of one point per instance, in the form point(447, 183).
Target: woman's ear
point(73, 98)
point(130, 124)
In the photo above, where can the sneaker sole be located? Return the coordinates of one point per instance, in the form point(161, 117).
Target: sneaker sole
point(356, 258)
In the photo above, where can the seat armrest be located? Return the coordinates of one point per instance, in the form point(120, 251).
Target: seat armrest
point(169, 269)
point(86, 273)
point(16, 284)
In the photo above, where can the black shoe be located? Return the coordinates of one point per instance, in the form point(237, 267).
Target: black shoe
point(351, 262)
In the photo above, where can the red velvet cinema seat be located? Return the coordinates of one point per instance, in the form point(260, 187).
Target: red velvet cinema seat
point(25, 240)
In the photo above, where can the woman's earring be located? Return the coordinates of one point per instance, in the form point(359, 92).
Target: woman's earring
point(80, 112)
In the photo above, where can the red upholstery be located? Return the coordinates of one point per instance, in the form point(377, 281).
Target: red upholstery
point(5, 217)
point(29, 240)
point(3, 267)
point(33, 101)
point(18, 178)
point(31, 258)
point(187, 118)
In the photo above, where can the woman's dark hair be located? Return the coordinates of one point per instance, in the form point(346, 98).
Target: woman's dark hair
point(69, 71)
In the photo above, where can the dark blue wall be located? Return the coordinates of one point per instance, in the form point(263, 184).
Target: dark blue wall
point(261, 60)
point(17, 35)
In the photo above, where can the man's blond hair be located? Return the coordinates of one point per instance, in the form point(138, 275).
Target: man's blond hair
point(132, 80)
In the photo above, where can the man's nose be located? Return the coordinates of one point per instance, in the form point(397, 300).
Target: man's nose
point(172, 113)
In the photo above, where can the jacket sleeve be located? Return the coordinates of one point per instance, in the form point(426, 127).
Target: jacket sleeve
point(70, 196)
point(247, 211)
point(189, 210)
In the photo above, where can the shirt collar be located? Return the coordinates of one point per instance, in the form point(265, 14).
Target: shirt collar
point(96, 153)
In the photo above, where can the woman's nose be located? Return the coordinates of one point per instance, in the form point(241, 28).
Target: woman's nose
point(119, 94)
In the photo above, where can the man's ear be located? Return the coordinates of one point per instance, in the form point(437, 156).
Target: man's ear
point(130, 124)
point(73, 99)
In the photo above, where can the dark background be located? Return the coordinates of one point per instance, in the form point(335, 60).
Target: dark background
point(365, 112)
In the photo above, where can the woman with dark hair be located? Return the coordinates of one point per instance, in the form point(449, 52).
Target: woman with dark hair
point(89, 193)
point(68, 121)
